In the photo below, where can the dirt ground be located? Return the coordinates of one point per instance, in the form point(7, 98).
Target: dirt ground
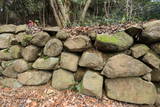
point(46, 96)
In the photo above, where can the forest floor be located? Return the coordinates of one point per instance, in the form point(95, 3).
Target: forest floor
point(46, 96)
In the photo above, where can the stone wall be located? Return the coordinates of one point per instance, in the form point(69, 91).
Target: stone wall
point(124, 66)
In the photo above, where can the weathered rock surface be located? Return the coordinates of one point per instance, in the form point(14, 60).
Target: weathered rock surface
point(53, 47)
point(62, 79)
point(15, 51)
point(122, 65)
point(147, 77)
point(156, 48)
point(117, 42)
point(10, 82)
point(5, 40)
point(92, 35)
point(131, 90)
point(40, 39)
point(151, 32)
point(157, 103)
point(5, 55)
point(23, 38)
point(78, 44)
point(92, 84)
point(7, 28)
point(69, 61)
point(45, 63)
point(30, 53)
point(21, 28)
point(139, 50)
point(62, 35)
point(92, 59)
point(33, 77)
point(152, 59)
point(5, 64)
point(20, 65)
point(10, 72)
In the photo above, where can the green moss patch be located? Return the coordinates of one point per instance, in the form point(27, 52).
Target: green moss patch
point(106, 38)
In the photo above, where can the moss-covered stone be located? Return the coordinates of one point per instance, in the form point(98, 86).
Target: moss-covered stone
point(26, 40)
point(116, 42)
point(23, 38)
point(15, 51)
point(108, 38)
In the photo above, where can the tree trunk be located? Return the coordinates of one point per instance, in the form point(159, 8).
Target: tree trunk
point(60, 12)
point(85, 9)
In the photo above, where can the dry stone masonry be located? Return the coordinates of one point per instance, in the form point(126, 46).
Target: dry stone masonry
point(124, 66)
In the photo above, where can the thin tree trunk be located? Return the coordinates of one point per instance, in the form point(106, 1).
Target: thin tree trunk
point(85, 9)
point(7, 17)
point(131, 9)
point(44, 20)
point(55, 13)
point(60, 12)
point(127, 8)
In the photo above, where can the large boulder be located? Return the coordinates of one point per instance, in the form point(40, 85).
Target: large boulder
point(122, 65)
point(30, 53)
point(10, 82)
point(53, 47)
point(152, 59)
point(62, 79)
point(92, 84)
point(62, 35)
point(69, 61)
point(5, 55)
point(131, 90)
point(40, 39)
point(78, 44)
point(7, 28)
point(139, 50)
point(92, 59)
point(21, 28)
point(15, 51)
point(151, 32)
point(45, 63)
point(33, 77)
point(116, 42)
point(5, 40)
point(20, 65)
